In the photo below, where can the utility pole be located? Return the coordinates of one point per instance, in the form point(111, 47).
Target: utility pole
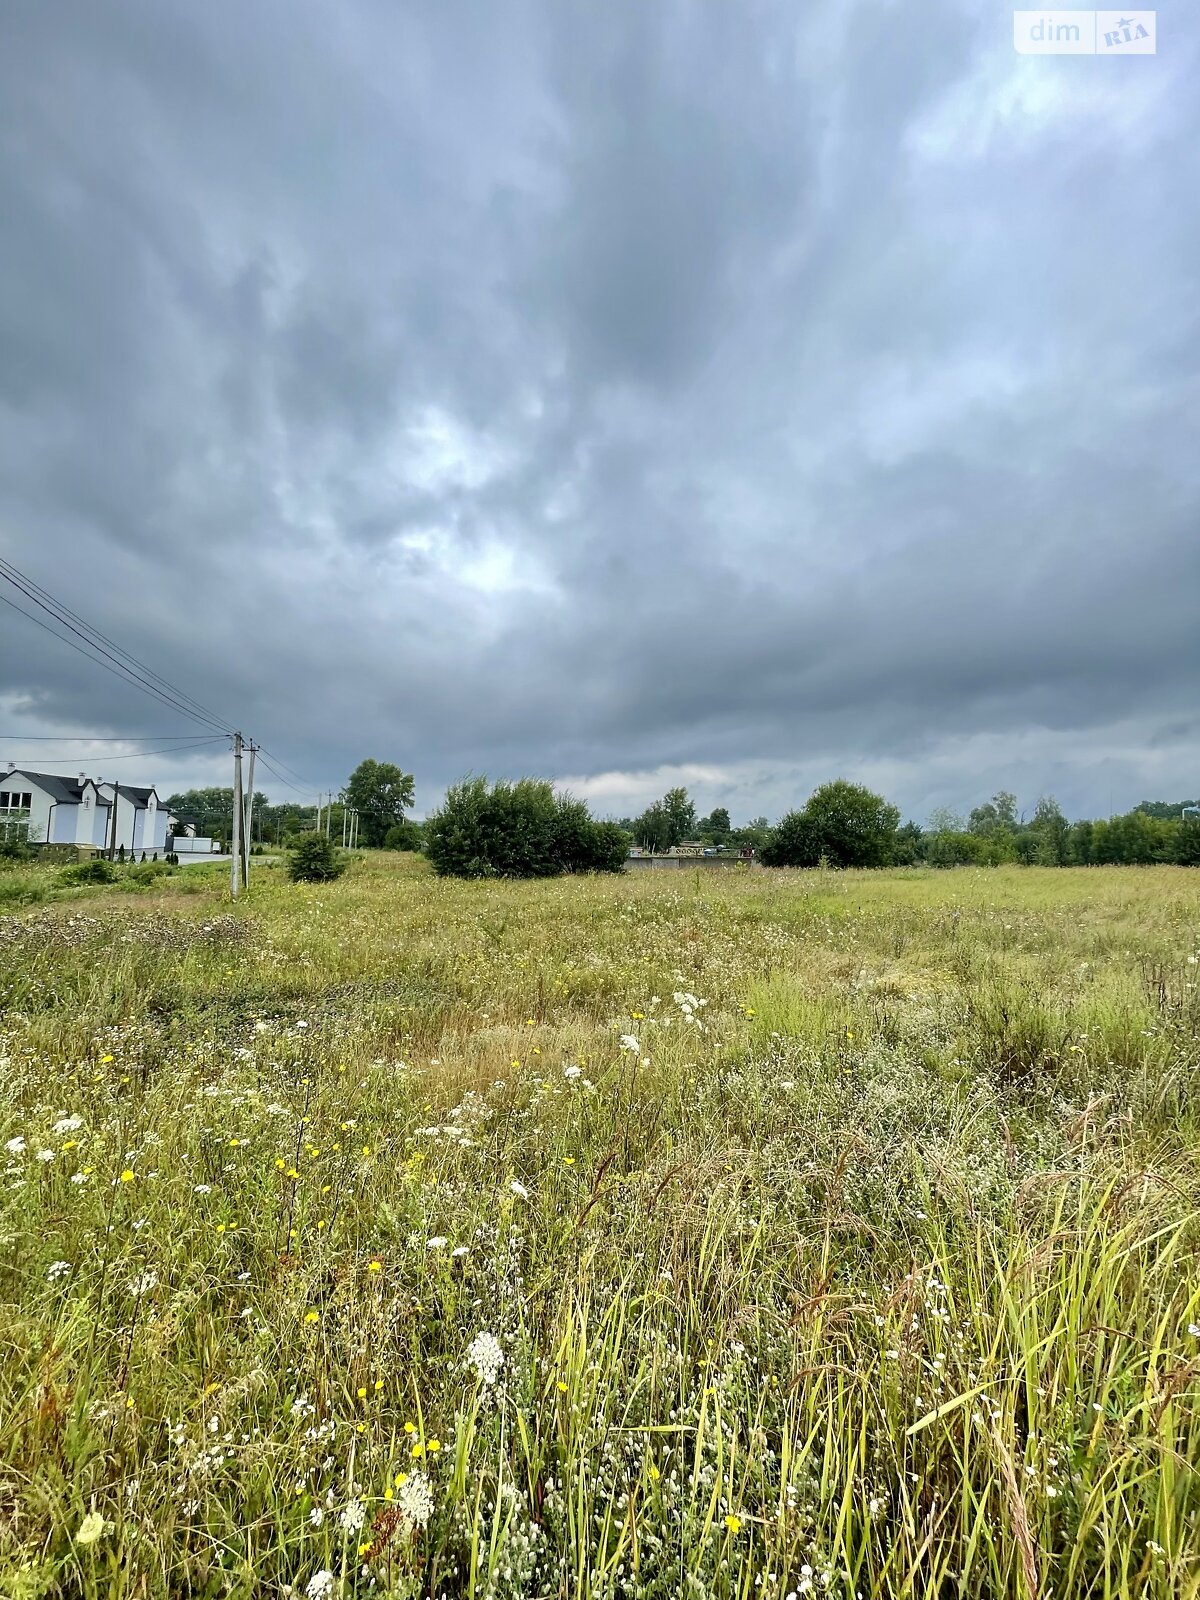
point(235, 864)
point(319, 793)
point(116, 806)
point(248, 829)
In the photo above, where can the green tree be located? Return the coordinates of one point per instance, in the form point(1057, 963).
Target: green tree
point(379, 791)
point(680, 813)
point(519, 830)
point(404, 835)
point(652, 830)
point(716, 827)
point(314, 860)
point(998, 814)
point(1187, 843)
point(843, 823)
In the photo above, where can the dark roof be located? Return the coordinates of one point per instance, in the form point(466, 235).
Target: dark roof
point(60, 789)
point(133, 791)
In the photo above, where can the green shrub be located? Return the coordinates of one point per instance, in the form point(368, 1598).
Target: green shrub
point(842, 824)
point(518, 830)
point(98, 870)
point(315, 860)
point(403, 835)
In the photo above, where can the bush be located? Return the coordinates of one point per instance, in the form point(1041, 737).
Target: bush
point(98, 870)
point(843, 824)
point(403, 835)
point(14, 851)
point(518, 830)
point(315, 860)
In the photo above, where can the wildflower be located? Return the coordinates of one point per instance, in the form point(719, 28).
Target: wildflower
point(16, 1147)
point(316, 1517)
point(487, 1357)
point(127, 1176)
point(45, 1155)
point(353, 1517)
point(519, 1189)
point(629, 1042)
point(91, 1528)
point(57, 1270)
point(461, 1250)
point(143, 1283)
point(202, 1188)
point(436, 1243)
point(320, 1585)
point(67, 1125)
point(79, 1177)
point(415, 1500)
point(733, 1523)
point(571, 1073)
point(1194, 1329)
point(374, 1265)
point(312, 1316)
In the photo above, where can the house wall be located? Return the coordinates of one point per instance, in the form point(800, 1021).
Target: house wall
point(39, 804)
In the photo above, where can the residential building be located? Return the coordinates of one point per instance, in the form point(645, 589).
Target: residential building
point(48, 809)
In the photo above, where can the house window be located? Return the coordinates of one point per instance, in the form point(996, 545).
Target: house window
point(15, 800)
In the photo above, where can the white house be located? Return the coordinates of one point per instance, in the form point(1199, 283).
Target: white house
point(48, 809)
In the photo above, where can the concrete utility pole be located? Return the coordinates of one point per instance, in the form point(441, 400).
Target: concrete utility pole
point(319, 794)
point(235, 864)
point(112, 848)
point(248, 829)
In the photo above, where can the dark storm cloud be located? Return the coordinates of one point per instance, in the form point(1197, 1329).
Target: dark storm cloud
point(618, 392)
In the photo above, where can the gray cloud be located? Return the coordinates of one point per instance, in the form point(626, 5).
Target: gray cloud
point(609, 392)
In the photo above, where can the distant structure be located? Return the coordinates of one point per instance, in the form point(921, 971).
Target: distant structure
point(43, 808)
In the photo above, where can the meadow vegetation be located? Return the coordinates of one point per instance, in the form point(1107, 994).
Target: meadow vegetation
point(727, 1233)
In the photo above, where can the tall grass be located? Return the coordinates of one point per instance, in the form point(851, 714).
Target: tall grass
point(835, 1233)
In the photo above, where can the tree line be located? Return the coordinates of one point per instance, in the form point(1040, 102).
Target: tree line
point(527, 829)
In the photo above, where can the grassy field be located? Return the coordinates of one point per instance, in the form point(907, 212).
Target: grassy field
point(698, 1234)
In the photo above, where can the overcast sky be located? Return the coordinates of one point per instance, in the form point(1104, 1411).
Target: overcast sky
point(622, 392)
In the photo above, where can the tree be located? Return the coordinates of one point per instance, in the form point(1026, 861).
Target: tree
point(843, 823)
point(314, 860)
point(403, 835)
point(715, 828)
point(652, 830)
point(681, 814)
point(666, 822)
point(519, 830)
point(379, 791)
point(1187, 843)
point(1000, 813)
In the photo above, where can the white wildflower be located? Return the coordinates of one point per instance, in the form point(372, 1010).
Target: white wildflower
point(16, 1147)
point(316, 1516)
point(353, 1517)
point(320, 1585)
point(91, 1528)
point(143, 1283)
point(630, 1042)
point(202, 1188)
point(45, 1155)
point(519, 1189)
point(67, 1125)
point(487, 1357)
point(57, 1270)
point(415, 1499)
point(438, 1242)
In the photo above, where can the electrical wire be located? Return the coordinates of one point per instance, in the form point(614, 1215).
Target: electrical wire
point(130, 669)
point(126, 677)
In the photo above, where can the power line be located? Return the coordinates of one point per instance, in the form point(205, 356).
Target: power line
point(15, 575)
point(129, 668)
point(117, 671)
point(176, 749)
point(92, 738)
